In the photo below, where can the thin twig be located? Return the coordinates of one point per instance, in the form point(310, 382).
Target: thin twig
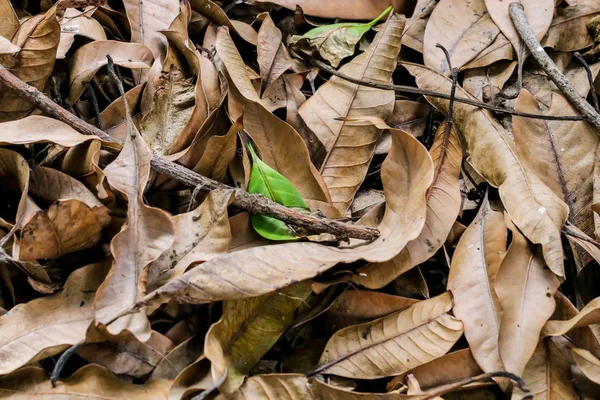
point(569, 232)
point(590, 77)
point(519, 19)
point(430, 93)
point(92, 95)
point(441, 390)
point(253, 203)
point(62, 361)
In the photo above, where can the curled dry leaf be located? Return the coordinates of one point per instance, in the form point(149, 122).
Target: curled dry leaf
point(247, 330)
point(525, 288)
point(33, 383)
point(548, 373)
point(463, 27)
point(280, 146)
point(532, 206)
point(89, 58)
point(77, 23)
point(406, 173)
point(588, 363)
point(590, 314)
point(394, 344)
point(350, 147)
point(38, 39)
point(475, 264)
point(147, 233)
point(48, 325)
point(149, 17)
point(443, 206)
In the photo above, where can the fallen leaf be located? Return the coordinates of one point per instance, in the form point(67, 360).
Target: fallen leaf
point(568, 30)
point(38, 39)
point(475, 263)
point(532, 206)
point(147, 18)
point(393, 344)
point(247, 330)
point(365, 304)
point(464, 28)
point(342, 9)
point(76, 23)
point(486, 83)
point(11, 21)
point(89, 58)
point(590, 314)
point(588, 363)
point(525, 288)
point(350, 147)
point(48, 325)
point(272, 55)
point(147, 233)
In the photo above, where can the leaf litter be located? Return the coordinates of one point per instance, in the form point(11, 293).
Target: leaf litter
point(299, 200)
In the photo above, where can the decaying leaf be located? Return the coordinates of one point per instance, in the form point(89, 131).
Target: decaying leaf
point(350, 147)
point(393, 344)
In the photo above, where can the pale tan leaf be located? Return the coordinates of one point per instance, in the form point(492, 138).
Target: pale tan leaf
point(475, 263)
point(443, 205)
point(280, 146)
point(500, 49)
point(590, 314)
point(342, 9)
point(273, 57)
point(38, 39)
point(568, 31)
point(88, 382)
point(532, 206)
point(178, 359)
point(486, 83)
point(406, 174)
point(10, 20)
point(525, 288)
point(200, 235)
point(48, 325)
point(6, 47)
point(89, 58)
point(350, 147)
point(562, 153)
point(581, 337)
point(588, 363)
point(548, 374)
point(77, 23)
point(539, 14)
point(147, 233)
point(463, 27)
point(219, 153)
point(247, 330)
point(393, 344)
point(148, 17)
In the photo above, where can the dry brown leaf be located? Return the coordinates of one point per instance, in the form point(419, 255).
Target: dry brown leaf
point(562, 153)
point(247, 331)
point(500, 49)
point(548, 374)
point(280, 146)
point(48, 325)
point(588, 363)
point(406, 174)
point(149, 17)
point(475, 264)
point(38, 39)
point(581, 337)
point(394, 344)
point(89, 58)
point(77, 23)
point(532, 206)
point(525, 288)
point(463, 27)
point(590, 314)
point(273, 57)
point(10, 20)
point(178, 359)
point(125, 355)
point(350, 147)
point(200, 235)
point(88, 382)
point(219, 153)
point(486, 83)
point(147, 233)
point(368, 305)
point(443, 206)
point(539, 14)
point(342, 9)
point(568, 31)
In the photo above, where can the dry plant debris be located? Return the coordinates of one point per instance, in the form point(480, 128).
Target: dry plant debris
point(300, 199)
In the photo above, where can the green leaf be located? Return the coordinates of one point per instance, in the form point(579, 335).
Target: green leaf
point(274, 186)
point(337, 41)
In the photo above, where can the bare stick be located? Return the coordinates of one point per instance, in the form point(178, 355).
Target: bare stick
point(590, 76)
point(431, 93)
point(253, 203)
point(519, 19)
